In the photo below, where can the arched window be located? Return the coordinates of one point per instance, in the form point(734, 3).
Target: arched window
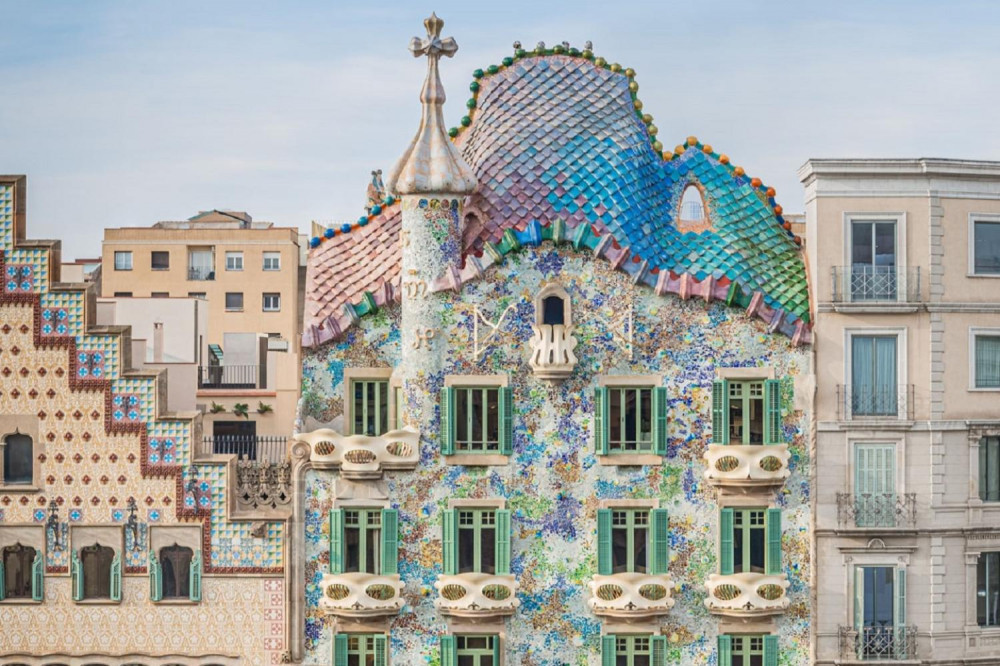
point(692, 205)
point(176, 563)
point(97, 573)
point(18, 567)
point(18, 456)
point(553, 311)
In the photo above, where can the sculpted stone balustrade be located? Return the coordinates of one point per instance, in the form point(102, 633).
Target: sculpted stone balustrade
point(630, 595)
point(746, 466)
point(476, 595)
point(552, 356)
point(361, 456)
point(361, 595)
point(747, 595)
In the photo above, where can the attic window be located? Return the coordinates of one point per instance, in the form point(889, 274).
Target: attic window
point(553, 312)
point(692, 205)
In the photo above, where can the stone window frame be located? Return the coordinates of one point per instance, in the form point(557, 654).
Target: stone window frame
point(553, 289)
point(477, 459)
point(895, 439)
point(186, 535)
point(366, 373)
point(975, 545)
point(630, 459)
point(28, 534)
point(876, 554)
point(975, 332)
point(977, 507)
point(22, 424)
point(971, 242)
point(850, 217)
point(238, 262)
point(113, 536)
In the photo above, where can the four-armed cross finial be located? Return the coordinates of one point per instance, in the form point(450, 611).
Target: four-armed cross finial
point(433, 46)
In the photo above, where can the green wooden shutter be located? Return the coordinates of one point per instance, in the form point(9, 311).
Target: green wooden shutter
point(772, 526)
point(772, 412)
point(900, 607)
point(336, 541)
point(155, 578)
point(659, 537)
point(726, 542)
point(659, 650)
point(608, 650)
point(448, 420)
point(390, 541)
point(76, 576)
point(506, 421)
point(380, 649)
point(37, 578)
point(770, 651)
point(601, 415)
point(340, 650)
point(116, 578)
point(859, 597)
point(496, 650)
point(449, 541)
point(3, 582)
point(502, 542)
point(194, 589)
point(660, 420)
point(604, 565)
point(449, 651)
point(720, 412)
point(725, 650)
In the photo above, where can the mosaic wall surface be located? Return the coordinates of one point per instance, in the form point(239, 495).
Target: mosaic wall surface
point(553, 483)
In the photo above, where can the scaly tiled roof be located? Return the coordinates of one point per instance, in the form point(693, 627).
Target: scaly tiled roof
point(557, 136)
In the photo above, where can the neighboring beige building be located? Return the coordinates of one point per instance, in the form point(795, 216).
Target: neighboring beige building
point(249, 274)
point(904, 261)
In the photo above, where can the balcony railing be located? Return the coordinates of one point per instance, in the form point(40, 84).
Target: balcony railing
point(874, 402)
point(747, 594)
point(746, 465)
point(876, 284)
point(201, 274)
point(877, 509)
point(247, 447)
point(552, 356)
point(476, 595)
point(361, 595)
point(361, 456)
point(630, 595)
point(231, 377)
point(878, 643)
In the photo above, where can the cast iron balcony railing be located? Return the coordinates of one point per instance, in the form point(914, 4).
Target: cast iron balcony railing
point(231, 377)
point(875, 402)
point(201, 274)
point(877, 509)
point(876, 284)
point(878, 643)
point(247, 447)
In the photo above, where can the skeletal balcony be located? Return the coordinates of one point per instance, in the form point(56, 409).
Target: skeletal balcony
point(476, 595)
point(361, 595)
point(361, 456)
point(746, 466)
point(553, 342)
point(630, 596)
point(747, 595)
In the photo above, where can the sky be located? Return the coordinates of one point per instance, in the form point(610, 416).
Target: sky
point(126, 113)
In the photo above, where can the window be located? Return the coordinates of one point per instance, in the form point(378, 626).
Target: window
point(160, 294)
point(634, 650)
point(370, 407)
point(123, 261)
point(986, 247)
point(988, 589)
point(873, 260)
point(197, 294)
point(748, 650)
point(234, 301)
point(750, 541)
point(470, 651)
point(18, 460)
point(875, 485)
point(747, 412)
point(874, 391)
point(364, 541)
point(476, 419)
point(175, 574)
point(880, 613)
point(630, 419)
point(989, 469)
point(692, 208)
point(272, 261)
point(272, 302)
point(22, 573)
point(553, 311)
point(160, 261)
point(476, 540)
point(123, 294)
point(96, 573)
point(632, 540)
point(986, 361)
point(201, 264)
point(359, 650)
point(234, 261)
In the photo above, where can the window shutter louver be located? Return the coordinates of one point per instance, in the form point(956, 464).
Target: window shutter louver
point(659, 650)
point(772, 412)
point(859, 597)
point(720, 412)
point(449, 541)
point(506, 421)
point(660, 420)
point(773, 529)
point(380, 649)
point(194, 590)
point(76, 574)
point(608, 650)
point(502, 542)
point(336, 541)
point(37, 578)
point(725, 650)
point(496, 651)
point(155, 578)
point(601, 409)
point(340, 650)
point(116, 577)
point(659, 536)
point(448, 420)
point(390, 541)
point(726, 542)
point(449, 651)
point(900, 608)
point(604, 565)
point(770, 651)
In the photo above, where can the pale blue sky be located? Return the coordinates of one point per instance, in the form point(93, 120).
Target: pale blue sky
point(125, 113)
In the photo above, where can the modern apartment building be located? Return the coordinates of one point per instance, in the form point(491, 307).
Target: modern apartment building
point(564, 420)
point(904, 260)
point(248, 375)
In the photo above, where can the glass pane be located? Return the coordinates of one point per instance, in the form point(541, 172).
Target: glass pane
point(639, 545)
point(175, 564)
point(17, 459)
point(738, 565)
point(462, 420)
point(987, 361)
point(373, 544)
point(352, 549)
point(986, 248)
point(755, 419)
point(614, 418)
point(757, 547)
point(619, 550)
point(885, 244)
point(487, 544)
point(17, 561)
point(96, 561)
point(861, 244)
point(466, 550)
point(493, 419)
point(477, 433)
point(552, 311)
point(878, 596)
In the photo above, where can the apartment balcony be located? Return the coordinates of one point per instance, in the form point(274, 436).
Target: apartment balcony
point(247, 447)
point(231, 377)
point(894, 403)
point(878, 643)
point(361, 595)
point(360, 456)
point(477, 595)
point(746, 466)
point(877, 510)
point(747, 595)
point(552, 356)
point(201, 274)
point(630, 595)
point(876, 288)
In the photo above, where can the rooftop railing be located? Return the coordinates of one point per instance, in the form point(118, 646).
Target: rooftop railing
point(231, 377)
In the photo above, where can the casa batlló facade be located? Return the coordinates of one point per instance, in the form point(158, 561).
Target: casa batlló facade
point(547, 418)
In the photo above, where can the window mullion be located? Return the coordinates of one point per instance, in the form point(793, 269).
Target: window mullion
point(745, 400)
point(622, 405)
point(468, 420)
point(377, 416)
point(477, 537)
point(485, 420)
point(630, 540)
